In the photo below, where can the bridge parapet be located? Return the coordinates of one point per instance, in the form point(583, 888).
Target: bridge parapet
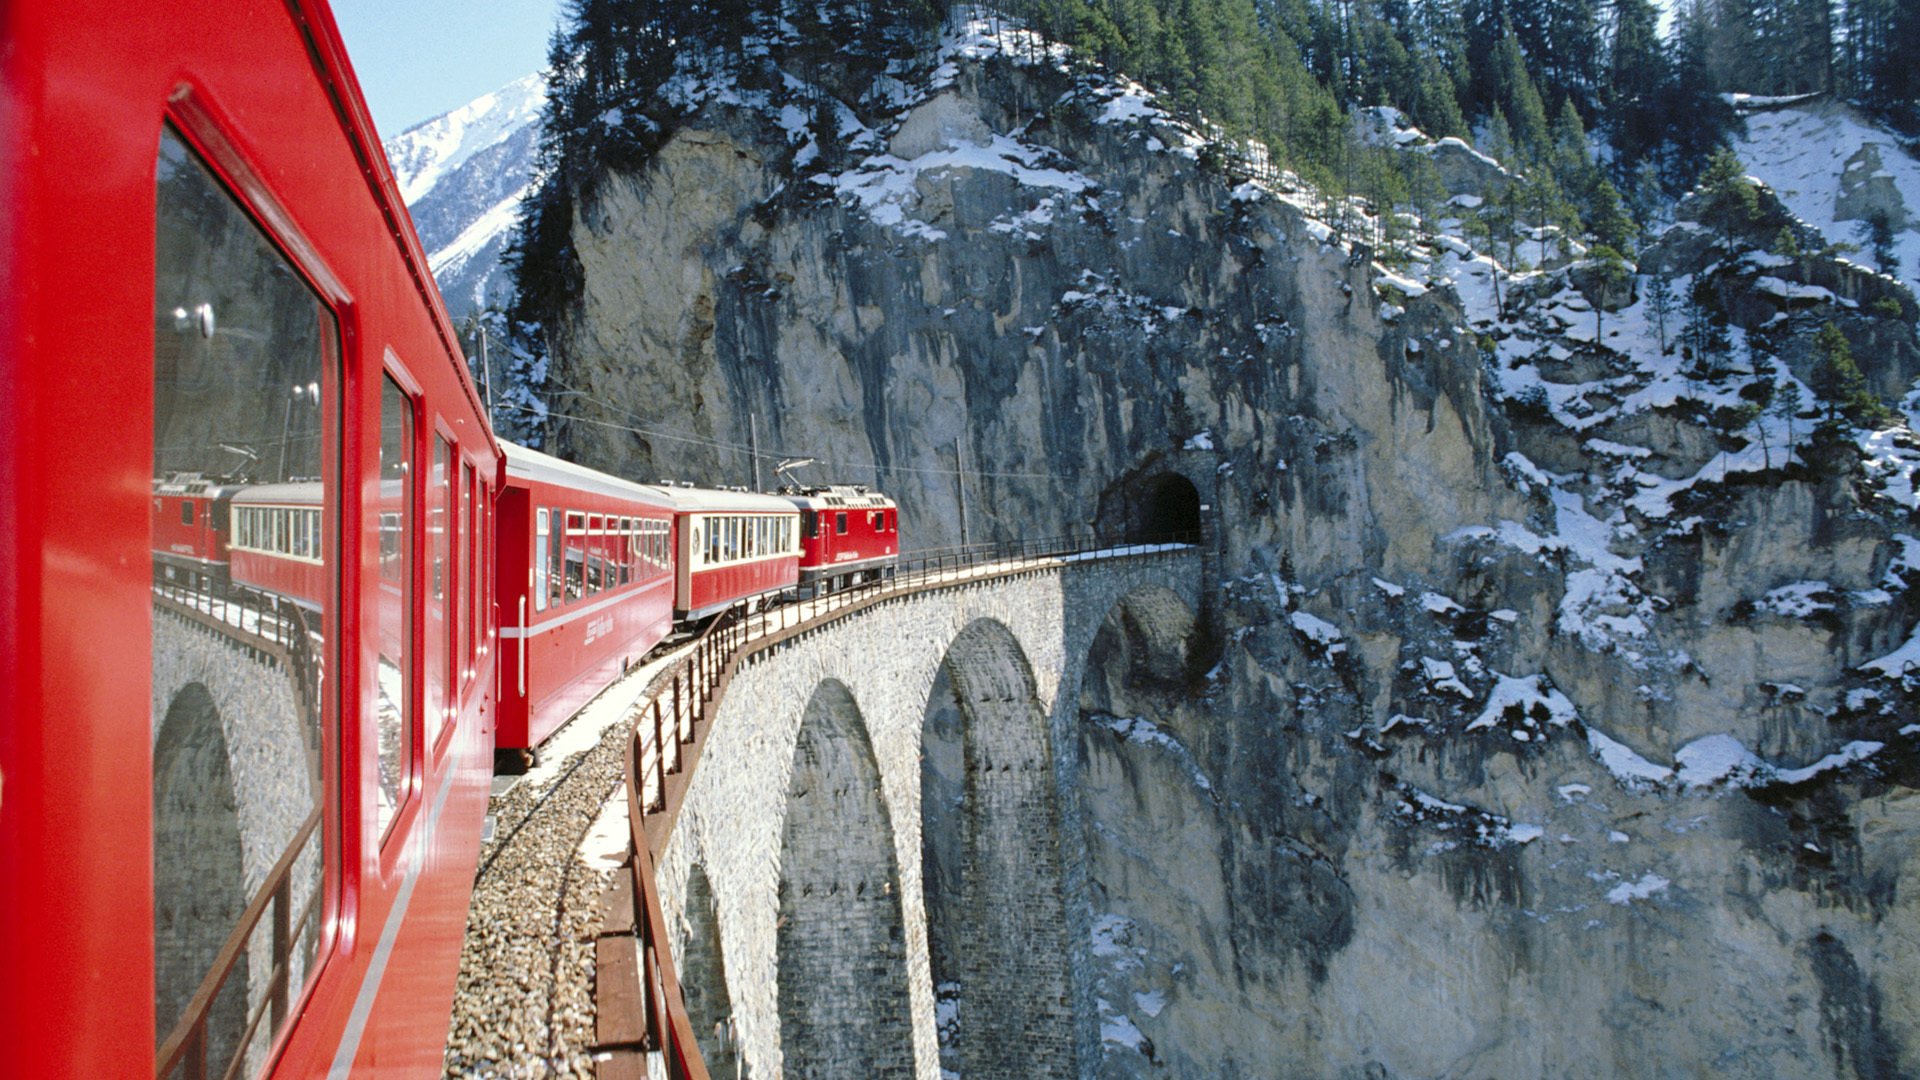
point(737, 704)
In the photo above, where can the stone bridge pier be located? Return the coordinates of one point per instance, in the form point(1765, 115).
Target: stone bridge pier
point(236, 772)
point(878, 867)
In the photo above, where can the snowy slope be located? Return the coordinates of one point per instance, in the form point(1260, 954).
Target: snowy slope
point(1803, 153)
point(463, 175)
point(426, 153)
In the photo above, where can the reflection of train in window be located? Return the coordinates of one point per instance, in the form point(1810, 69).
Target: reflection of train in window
point(277, 543)
point(264, 864)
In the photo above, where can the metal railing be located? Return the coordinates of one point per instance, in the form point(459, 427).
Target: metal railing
point(187, 1043)
point(665, 747)
point(279, 631)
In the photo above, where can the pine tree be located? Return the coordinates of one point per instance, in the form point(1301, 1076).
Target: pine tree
point(1514, 93)
point(1660, 303)
point(1698, 119)
point(1636, 74)
point(1608, 219)
point(1838, 380)
point(1879, 232)
point(1729, 201)
point(1611, 274)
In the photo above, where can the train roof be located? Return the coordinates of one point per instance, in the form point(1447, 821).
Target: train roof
point(713, 501)
point(298, 493)
point(195, 484)
point(837, 497)
point(528, 464)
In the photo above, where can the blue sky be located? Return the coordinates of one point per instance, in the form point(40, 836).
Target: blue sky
point(417, 59)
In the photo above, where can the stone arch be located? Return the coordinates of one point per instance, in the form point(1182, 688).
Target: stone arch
point(991, 865)
point(703, 976)
point(1148, 643)
point(840, 938)
point(199, 868)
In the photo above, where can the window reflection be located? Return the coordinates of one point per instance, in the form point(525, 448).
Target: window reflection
point(393, 716)
point(245, 368)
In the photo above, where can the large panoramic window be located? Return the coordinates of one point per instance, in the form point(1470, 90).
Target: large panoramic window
point(245, 381)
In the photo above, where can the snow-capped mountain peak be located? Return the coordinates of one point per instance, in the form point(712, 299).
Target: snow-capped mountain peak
point(463, 175)
point(428, 151)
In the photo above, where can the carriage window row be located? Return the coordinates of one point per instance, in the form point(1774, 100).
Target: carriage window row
point(593, 553)
point(290, 532)
point(735, 537)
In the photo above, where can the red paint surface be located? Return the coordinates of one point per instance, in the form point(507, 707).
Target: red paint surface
point(87, 87)
point(574, 648)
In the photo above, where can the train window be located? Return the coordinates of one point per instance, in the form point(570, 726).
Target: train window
point(186, 512)
point(468, 591)
point(442, 501)
point(713, 540)
point(840, 523)
point(576, 555)
point(555, 577)
point(393, 718)
point(541, 539)
point(809, 524)
point(236, 325)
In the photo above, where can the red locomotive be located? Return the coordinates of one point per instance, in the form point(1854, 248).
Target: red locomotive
point(847, 534)
point(191, 526)
point(229, 847)
point(585, 586)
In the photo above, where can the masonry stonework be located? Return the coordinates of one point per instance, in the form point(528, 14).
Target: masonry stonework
point(840, 943)
point(889, 657)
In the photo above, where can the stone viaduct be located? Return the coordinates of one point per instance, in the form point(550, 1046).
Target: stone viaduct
point(878, 867)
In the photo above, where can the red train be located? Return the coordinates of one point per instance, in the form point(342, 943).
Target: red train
point(585, 585)
point(848, 534)
point(242, 844)
point(223, 860)
point(731, 547)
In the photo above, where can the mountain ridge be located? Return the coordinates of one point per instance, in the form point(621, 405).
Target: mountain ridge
point(463, 175)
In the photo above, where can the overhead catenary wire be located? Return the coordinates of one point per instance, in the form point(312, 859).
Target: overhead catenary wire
point(740, 448)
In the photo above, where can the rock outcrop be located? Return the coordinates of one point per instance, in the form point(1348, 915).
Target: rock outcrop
point(1533, 726)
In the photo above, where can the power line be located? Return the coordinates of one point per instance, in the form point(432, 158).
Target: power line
point(772, 452)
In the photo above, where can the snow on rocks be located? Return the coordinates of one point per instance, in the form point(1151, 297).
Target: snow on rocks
point(1716, 761)
point(1323, 634)
point(1525, 707)
point(1648, 885)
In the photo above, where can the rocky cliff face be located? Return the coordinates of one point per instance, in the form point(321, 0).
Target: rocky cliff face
point(1544, 720)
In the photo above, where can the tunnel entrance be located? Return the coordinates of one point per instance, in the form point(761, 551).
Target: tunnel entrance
point(1149, 508)
point(1168, 509)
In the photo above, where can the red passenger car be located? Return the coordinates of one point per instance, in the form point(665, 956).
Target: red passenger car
point(586, 587)
point(731, 547)
point(228, 849)
point(276, 544)
point(847, 534)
